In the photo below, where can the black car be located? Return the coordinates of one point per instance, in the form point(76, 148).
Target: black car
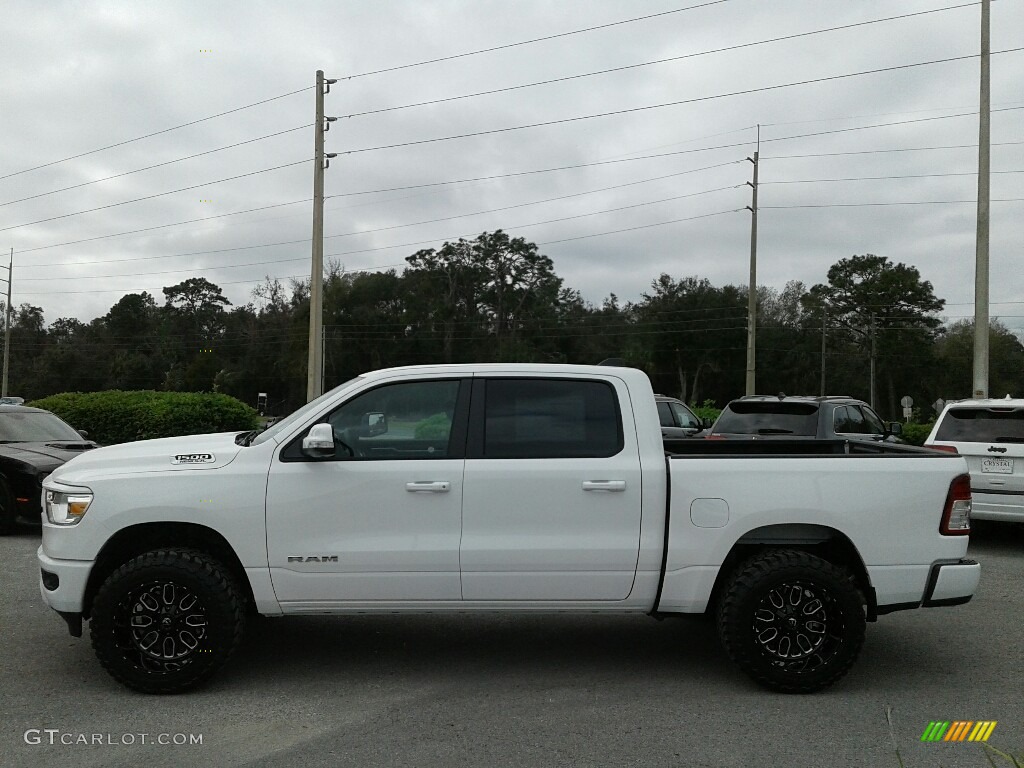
point(814, 418)
point(33, 443)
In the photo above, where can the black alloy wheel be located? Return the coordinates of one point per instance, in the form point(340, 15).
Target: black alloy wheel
point(792, 621)
point(166, 620)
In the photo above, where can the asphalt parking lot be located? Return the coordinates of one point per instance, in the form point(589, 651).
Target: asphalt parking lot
point(517, 691)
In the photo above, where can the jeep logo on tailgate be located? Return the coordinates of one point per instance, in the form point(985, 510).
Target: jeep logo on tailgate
point(193, 458)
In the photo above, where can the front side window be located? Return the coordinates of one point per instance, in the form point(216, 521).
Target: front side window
point(409, 420)
point(684, 418)
point(875, 426)
point(544, 418)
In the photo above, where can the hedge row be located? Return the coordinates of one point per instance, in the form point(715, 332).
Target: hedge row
point(120, 417)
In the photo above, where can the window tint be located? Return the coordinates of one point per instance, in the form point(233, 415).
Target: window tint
point(852, 422)
point(875, 426)
point(665, 415)
point(411, 420)
point(768, 418)
point(978, 425)
point(544, 418)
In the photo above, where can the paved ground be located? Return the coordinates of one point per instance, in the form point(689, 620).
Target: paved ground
point(534, 691)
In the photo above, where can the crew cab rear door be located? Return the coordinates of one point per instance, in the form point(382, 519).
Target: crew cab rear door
point(551, 499)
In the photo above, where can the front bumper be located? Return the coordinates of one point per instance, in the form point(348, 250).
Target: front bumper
point(62, 582)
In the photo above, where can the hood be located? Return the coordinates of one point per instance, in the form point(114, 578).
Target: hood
point(46, 454)
point(187, 453)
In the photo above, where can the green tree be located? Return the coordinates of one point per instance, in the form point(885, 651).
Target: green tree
point(955, 353)
point(887, 313)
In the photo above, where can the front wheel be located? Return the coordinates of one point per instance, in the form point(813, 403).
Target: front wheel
point(166, 620)
point(792, 621)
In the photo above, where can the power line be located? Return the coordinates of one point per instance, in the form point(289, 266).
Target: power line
point(434, 240)
point(159, 194)
point(411, 224)
point(882, 178)
point(885, 125)
point(903, 202)
point(672, 103)
point(158, 165)
point(145, 229)
point(651, 63)
point(882, 151)
point(532, 40)
point(156, 133)
point(305, 240)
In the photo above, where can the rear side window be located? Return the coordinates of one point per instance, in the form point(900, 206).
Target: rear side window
point(982, 425)
point(544, 418)
point(768, 418)
point(665, 415)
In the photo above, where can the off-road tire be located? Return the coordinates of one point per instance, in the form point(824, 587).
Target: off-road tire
point(167, 620)
point(792, 621)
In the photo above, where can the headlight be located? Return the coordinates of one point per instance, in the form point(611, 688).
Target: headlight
point(66, 508)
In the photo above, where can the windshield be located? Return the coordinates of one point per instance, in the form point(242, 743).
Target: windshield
point(298, 415)
point(978, 425)
point(768, 418)
point(34, 427)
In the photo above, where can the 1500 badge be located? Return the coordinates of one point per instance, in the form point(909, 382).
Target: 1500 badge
point(193, 458)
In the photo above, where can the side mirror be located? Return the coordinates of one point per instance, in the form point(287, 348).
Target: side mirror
point(895, 428)
point(319, 443)
point(374, 424)
point(84, 434)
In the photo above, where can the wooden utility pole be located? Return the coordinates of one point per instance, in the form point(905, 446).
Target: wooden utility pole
point(824, 325)
point(7, 326)
point(981, 278)
point(315, 366)
point(752, 287)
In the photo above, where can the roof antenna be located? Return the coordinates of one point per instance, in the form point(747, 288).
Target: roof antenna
point(782, 395)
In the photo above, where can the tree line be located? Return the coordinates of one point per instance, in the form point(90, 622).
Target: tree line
point(498, 298)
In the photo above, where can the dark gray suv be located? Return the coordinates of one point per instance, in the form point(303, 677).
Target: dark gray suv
point(677, 420)
point(815, 418)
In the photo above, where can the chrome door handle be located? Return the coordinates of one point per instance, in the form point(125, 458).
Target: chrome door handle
point(428, 486)
point(604, 485)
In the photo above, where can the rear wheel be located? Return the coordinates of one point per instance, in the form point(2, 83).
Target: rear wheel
point(166, 621)
point(792, 621)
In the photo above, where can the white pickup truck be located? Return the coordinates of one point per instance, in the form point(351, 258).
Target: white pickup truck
point(498, 488)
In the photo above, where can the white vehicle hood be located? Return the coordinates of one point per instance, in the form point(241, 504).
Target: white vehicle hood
point(187, 453)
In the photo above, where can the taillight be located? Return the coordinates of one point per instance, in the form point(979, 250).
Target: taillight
point(956, 517)
point(946, 448)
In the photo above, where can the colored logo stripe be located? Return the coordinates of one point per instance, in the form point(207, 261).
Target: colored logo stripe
point(958, 730)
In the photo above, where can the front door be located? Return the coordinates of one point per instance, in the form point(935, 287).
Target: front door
point(381, 518)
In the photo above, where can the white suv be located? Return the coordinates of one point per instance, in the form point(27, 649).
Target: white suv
point(990, 434)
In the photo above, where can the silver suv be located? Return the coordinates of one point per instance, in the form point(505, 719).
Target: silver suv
point(990, 434)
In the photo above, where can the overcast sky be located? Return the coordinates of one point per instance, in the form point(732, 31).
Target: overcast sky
point(75, 77)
